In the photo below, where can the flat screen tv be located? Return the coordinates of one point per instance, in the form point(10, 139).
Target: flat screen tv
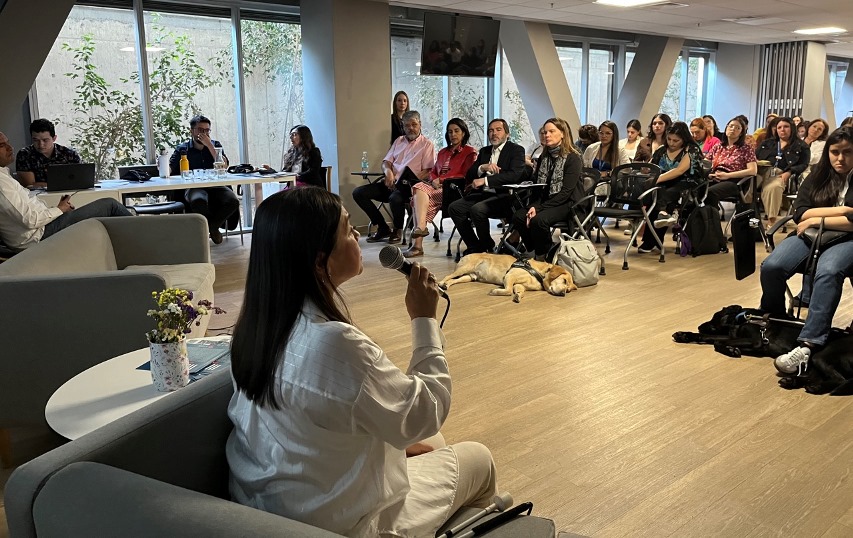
point(459, 46)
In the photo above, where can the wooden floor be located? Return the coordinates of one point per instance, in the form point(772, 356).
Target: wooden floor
point(605, 424)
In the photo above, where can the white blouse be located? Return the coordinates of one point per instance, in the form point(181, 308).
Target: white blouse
point(334, 455)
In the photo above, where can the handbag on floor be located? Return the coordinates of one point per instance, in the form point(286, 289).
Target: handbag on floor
point(578, 257)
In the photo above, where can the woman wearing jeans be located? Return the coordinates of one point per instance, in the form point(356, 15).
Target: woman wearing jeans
point(827, 195)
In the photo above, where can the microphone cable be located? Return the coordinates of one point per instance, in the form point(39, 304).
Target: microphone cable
point(446, 310)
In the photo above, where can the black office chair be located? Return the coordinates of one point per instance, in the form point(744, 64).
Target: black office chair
point(632, 196)
point(581, 210)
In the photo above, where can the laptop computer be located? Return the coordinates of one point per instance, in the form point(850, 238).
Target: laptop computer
point(150, 169)
point(70, 177)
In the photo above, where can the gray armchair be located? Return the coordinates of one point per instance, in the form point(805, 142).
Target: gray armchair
point(80, 297)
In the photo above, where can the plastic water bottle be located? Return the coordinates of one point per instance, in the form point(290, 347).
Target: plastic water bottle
point(163, 164)
point(365, 164)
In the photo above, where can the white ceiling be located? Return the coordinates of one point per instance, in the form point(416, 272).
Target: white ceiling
point(699, 19)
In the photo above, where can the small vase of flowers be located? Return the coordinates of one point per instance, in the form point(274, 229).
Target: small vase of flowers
point(175, 315)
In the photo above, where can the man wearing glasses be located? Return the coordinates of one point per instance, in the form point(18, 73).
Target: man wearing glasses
point(217, 204)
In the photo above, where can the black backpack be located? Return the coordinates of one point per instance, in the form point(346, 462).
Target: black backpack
point(704, 235)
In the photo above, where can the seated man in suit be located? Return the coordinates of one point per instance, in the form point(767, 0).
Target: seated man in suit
point(25, 220)
point(410, 159)
point(217, 204)
point(498, 164)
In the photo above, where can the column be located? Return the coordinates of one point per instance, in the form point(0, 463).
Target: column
point(647, 79)
point(737, 83)
point(532, 55)
point(815, 80)
point(346, 62)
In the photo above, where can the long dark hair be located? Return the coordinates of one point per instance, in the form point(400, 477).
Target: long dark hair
point(295, 231)
point(667, 123)
point(466, 134)
point(613, 151)
point(681, 130)
point(739, 142)
point(635, 124)
point(306, 139)
point(826, 182)
point(394, 103)
point(717, 132)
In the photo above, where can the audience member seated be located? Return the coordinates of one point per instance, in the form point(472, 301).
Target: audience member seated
point(711, 127)
point(680, 161)
point(768, 131)
point(587, 134)
point(748, 139)
point(399, 107)
point(25, 220)
point(788, 156)
point(815, 139)
point(323, 419)
point(559, 169)
point(216, 204)
point(797, 120)
point(534, 151)
point(605, 155)
point(304, 159)
point(634, 133)
point(702, 136)
point(847, 122)
point(827, 194)
point(409, 160)
point(731, 160)
point(453, 161)
point(498, 164)
point(32, 161)
point(655, 140)
point(803, 130)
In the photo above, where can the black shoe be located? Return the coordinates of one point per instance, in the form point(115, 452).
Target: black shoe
point(379, 235)
point(395, 237)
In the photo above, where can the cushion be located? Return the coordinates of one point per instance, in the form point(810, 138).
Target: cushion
point(195, 277)
point(84, 247)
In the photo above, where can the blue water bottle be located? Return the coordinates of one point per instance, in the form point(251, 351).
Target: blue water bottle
point(365, 164)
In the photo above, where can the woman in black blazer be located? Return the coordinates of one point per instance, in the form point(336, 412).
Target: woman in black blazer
point(788, 156)
point(304, 158)
point(399, 106)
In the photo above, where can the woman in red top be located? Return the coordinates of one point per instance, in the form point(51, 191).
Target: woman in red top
point(453, 161)
point(731, 160)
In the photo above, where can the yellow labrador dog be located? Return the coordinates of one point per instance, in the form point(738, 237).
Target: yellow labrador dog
point(498, 269)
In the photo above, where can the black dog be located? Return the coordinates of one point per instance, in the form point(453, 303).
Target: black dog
point(736, 331)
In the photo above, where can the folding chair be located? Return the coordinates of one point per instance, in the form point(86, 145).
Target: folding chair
point(631, 197)
point(581, 209)
point(452, 191)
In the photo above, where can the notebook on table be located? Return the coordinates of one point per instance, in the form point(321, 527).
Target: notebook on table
point(70, 177)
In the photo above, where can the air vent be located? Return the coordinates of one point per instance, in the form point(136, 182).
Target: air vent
point(757, 21)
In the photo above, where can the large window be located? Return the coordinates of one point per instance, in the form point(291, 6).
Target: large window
point(272, 64)
point(468, 102)
point(837, 76)
point(426, 93)
point(685, 97)
point(87, 87)
point(571, 58)
point(190, 72)
point(600, 91)
point(512, 108)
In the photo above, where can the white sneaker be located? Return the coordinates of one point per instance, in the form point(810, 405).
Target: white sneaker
point(628, 231)
point(794, 361)
point(664, 219)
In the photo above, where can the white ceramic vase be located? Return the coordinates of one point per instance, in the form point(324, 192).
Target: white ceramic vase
point(170, 365)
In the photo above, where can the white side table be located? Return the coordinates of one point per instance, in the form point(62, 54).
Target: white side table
point(103, 393)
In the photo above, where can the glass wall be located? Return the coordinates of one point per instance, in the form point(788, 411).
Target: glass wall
point(837, 75)
point(468, 102)
point(272, 69)
point(671, 103)
point(191, 72)
point(512, 108)
point(600, 90)
point(88, 88)
point(426, 94)
point(571, 58)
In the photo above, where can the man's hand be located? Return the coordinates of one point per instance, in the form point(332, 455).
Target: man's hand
point(813, 222)
point(390, 179)
point(490, 169)
point(65, 204)
point(479, 182)
point(436, 184)
point(422, 293)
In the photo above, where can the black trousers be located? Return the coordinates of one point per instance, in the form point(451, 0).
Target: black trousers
point(537, 236)
point(723, 189)
point(365, 194)
point(215, 203)
point(473, 212)
point(667, 199)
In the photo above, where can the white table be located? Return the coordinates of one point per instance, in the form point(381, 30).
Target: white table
point(118, 189)
point(104, 393)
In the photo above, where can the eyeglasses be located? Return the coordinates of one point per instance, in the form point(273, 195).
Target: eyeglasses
point(202, 131)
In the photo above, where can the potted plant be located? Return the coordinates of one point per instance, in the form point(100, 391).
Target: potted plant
point(175, 315)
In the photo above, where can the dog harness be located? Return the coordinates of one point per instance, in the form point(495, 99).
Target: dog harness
point(525, 264)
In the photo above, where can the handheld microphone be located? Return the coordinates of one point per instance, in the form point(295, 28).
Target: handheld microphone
point(499, 504)
point(392, 257)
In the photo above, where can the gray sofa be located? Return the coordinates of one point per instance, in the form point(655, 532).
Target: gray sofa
point(160, 471)
point(81, 296)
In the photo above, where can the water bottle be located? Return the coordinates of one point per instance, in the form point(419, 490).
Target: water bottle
point(219, 164)
point(163, 164)
point(365, 164)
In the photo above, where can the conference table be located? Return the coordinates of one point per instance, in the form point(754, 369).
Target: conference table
point(120, 189)
point(106, 392)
